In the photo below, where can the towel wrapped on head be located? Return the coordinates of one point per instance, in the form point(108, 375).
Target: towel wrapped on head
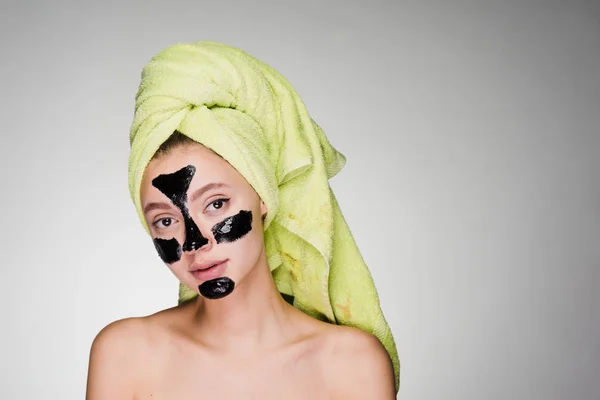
point(251, 116)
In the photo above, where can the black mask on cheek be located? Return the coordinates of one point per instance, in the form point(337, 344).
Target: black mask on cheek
point(175, 187)
point(169, 250)
point(233, 228)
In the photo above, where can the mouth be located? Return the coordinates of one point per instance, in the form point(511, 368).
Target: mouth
point(206, 273)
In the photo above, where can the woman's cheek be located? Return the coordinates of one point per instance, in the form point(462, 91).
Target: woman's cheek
point(169, 250)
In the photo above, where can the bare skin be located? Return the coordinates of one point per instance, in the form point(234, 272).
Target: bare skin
point(250, 344)
point(158, 357)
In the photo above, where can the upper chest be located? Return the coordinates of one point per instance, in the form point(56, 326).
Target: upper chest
point(297, 373)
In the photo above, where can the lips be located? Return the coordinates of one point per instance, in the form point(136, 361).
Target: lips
point(208, 270)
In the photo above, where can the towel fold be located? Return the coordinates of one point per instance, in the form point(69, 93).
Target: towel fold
point(251, 116)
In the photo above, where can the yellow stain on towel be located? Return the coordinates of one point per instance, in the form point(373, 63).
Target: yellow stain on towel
point(294, 219)
point(325, 223)
point(294, 269)
point(345, 308)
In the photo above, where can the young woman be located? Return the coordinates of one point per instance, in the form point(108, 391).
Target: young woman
point(236, 334)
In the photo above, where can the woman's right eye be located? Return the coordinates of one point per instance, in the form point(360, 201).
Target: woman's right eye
point(163, 223)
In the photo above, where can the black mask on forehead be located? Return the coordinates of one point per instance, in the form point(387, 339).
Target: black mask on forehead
point(175, 187)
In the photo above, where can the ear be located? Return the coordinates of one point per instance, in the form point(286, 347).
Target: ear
point(263, 210)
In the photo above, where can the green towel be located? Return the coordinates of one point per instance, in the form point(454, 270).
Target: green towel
point(251, 116)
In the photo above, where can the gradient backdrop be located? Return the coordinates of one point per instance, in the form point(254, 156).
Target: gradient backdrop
point(472, 131)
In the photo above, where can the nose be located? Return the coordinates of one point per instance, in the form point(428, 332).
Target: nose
point(193, 237)
point(194, 240)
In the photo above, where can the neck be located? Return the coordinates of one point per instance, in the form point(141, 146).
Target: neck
point(253, 318)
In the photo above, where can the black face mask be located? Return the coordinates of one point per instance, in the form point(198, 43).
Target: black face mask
point(175, 186)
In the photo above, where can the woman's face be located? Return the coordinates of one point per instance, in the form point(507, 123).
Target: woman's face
point(204, 218)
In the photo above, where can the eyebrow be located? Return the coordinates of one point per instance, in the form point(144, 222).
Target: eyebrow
point(209, 186)
point(156, 206)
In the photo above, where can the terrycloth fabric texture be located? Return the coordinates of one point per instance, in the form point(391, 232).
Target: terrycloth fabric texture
point(251, 116)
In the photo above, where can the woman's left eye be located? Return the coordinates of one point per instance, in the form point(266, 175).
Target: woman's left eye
point(217, 204)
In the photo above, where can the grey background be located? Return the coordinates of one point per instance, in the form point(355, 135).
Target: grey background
point(472, 187)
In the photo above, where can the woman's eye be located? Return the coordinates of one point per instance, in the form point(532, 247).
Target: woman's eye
point(215, 205)
point(163, 223)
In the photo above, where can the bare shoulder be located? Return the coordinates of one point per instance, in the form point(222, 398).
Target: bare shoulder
point(121, 337)
point(119, 356)
point(359, 365)
point(116, 356)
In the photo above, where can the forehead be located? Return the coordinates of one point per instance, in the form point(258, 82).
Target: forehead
point(209, 167)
